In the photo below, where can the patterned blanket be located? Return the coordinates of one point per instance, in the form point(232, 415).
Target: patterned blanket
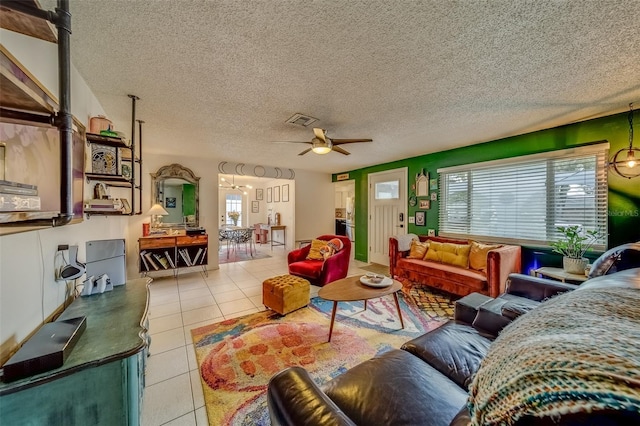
point(578, 352)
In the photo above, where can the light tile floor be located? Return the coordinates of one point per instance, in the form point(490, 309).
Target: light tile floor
point(173, 392)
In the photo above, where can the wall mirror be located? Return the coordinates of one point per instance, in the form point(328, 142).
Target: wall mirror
point(176, 188)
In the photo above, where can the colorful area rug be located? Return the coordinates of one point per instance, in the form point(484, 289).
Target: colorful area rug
point(239, 256)
point(237, 357)
point(435, 303)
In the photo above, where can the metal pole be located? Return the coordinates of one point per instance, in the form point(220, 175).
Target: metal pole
point(134, 98)
point(140, 123)
point(64, 119)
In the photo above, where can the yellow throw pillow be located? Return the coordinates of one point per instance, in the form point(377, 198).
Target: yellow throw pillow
point(451, 254)
point(418, 249)
point(315, 251)
point(478, 255)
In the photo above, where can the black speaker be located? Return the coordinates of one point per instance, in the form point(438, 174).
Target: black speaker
point(74, 269)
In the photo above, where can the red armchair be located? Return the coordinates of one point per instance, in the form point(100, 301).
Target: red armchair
point(321, 272)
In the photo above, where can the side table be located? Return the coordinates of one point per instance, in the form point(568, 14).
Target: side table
point(559, 274)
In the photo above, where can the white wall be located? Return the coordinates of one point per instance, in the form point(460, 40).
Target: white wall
point(314, 207)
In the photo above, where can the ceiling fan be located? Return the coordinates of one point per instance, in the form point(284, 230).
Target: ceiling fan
point(322, 144)
point(232, 185)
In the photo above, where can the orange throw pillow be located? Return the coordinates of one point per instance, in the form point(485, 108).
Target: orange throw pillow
point(333, 246)
point(418, 249)
point(478, 255)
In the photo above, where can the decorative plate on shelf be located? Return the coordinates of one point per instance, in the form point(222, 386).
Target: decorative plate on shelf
point(104, 159)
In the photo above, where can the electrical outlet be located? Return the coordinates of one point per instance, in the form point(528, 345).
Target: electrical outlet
point(412, 219)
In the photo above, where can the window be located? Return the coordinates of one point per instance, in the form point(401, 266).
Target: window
point(387, 190)
point(234, 204)
point(524, 199)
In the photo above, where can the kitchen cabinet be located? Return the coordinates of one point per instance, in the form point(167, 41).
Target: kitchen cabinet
point(341, 199)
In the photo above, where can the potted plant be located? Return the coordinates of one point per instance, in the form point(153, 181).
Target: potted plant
point(572, 246)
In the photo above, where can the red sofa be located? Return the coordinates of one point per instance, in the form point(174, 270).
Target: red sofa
point(454, 279)
point(321, 272)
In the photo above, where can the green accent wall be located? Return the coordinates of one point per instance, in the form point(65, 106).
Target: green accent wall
point(624, 194)
point(188, 199)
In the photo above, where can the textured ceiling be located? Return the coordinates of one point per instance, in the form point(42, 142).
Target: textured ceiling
point(219, 78)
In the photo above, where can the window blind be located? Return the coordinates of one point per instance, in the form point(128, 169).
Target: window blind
point(525, 199)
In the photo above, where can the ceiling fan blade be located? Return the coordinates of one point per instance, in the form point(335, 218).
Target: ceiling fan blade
point(291, 142)
point(340, 150)
point(305, 151)
point(319, 133)
point(341, 141)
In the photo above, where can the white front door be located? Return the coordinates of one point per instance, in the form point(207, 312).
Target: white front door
point(387, 211)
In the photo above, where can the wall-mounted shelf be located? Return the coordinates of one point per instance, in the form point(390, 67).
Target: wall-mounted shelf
point(110, 180)
point(21, 90)
point(23, 100)
point(14, 20)
point(123, 153)
point(10, 217)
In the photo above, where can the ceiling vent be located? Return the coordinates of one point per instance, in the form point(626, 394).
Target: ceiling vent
point(301, 120)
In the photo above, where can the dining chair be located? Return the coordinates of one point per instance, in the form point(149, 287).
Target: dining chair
point(243, 236)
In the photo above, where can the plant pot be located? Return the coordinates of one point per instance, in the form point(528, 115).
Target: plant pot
point(574, 266)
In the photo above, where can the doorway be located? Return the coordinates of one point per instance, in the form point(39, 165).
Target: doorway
point(345, 211)
point(387, 211)
point(246, 201)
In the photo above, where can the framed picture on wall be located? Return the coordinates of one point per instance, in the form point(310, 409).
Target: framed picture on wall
point(259, 194)
point(269, 195)
point(421, 218)
point(425, 204)
point(285, 193)
point(170, 202)
point(276, 194)
point(255, 207)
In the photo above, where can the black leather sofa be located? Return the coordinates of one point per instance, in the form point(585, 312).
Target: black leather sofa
point(426, 382)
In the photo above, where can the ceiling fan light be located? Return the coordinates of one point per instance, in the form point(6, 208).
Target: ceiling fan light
point(320, 147)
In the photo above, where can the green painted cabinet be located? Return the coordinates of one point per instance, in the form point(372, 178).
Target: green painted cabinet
point(101, 382)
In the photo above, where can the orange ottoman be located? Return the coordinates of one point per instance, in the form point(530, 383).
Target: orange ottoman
point(285, 293)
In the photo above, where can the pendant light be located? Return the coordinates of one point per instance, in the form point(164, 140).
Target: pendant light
point(626, 162)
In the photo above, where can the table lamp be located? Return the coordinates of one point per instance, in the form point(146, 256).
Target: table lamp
point(156, 211)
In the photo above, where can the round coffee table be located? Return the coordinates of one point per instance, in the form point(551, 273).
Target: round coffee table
point(350, 289)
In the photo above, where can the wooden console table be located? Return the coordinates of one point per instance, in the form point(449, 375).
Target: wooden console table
point(102, 380)
point(272, 228)
point(172, 252)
